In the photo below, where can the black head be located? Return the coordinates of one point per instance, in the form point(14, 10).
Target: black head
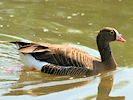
point(110, 34)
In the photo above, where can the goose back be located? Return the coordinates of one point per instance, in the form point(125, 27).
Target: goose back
point(61, 55)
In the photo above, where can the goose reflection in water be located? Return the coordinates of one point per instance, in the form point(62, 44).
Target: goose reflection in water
point(104, 89)
point(51, 84)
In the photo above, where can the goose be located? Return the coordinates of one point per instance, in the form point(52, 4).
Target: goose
point(66, 60)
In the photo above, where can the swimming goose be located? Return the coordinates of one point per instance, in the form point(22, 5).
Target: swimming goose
point(66, 60)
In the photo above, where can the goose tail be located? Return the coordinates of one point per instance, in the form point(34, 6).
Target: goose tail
point(19, 44)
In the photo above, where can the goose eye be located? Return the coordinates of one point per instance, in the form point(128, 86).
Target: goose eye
point(112, 32)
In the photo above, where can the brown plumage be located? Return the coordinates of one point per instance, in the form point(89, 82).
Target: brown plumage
point(67, 60)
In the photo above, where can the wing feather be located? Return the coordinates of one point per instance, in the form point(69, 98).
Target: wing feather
point(57, 54)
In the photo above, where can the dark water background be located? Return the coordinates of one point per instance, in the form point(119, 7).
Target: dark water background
point(72, 22)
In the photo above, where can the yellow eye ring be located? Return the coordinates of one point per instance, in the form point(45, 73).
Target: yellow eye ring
point(112, 32)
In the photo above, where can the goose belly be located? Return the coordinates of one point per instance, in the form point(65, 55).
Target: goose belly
point(31, 62)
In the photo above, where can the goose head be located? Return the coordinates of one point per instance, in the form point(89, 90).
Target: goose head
point(110, 34)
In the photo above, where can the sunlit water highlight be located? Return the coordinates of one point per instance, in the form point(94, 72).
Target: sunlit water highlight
point(71, 22)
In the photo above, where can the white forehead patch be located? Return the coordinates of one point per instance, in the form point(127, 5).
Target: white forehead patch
point(115, 31)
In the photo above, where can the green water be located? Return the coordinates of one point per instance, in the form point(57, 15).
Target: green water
point(72, 22)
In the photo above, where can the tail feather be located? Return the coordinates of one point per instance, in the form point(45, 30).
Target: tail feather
point(19, 44)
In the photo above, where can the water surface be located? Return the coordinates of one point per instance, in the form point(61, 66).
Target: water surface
point(71, 22)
